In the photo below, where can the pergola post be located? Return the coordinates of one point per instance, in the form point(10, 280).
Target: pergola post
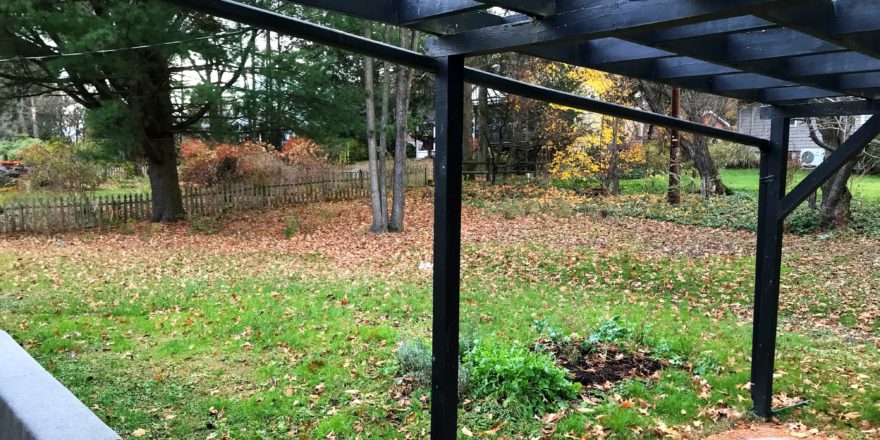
point(449, 125)
point(774, 164)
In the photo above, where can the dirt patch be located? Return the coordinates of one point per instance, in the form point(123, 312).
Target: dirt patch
point(598, 365)
point(769, 432)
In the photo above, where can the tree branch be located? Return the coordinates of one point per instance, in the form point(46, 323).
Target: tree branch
point(815, 136)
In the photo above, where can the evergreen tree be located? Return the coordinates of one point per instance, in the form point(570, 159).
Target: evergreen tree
point(62, 47)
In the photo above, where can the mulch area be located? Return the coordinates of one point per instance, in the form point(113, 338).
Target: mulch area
point(600, 365)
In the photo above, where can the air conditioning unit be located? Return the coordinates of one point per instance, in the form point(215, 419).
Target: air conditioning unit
point(811, 157)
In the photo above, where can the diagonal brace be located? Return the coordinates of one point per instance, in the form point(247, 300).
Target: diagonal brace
point(846, 151)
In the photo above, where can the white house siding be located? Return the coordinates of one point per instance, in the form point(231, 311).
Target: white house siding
point(750, 122)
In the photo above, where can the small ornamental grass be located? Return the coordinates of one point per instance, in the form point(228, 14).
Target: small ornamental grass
point(414, 358)
point(524, 382)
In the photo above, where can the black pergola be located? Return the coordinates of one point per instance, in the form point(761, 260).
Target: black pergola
point(786, 54)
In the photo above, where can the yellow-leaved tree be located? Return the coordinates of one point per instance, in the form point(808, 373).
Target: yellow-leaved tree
point(604, 147)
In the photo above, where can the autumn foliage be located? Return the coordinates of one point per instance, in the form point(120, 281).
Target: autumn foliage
point(303, 152)
point(589, 156)
point(209, 163)
point(581, 147)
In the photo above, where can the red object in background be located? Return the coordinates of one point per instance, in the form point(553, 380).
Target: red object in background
point(10, 163)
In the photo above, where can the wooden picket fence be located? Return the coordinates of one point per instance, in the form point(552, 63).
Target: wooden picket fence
point(81, 212)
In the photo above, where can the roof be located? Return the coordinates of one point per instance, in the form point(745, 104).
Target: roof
point(768, 51)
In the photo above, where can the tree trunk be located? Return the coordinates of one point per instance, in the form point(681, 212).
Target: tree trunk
point(34, 125)
point(613, 180)
point(467, 143)
point(835, 211)
point(167, 199)
point(710, 178)
point(483, 130)
point(383, 130)
point(379, 218)
point(23, 126)
point(151, 101)
point(673, 194)
point(398, 195)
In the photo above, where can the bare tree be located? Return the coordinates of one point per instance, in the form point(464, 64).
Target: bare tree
point(829, 133)
point(380, 221)
point(701, 107)
point(483, 132)
point(695, 106)
point(404, 83)
point(383, 129)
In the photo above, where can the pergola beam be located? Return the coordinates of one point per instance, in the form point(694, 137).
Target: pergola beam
point(598, 19)
point(762, 54)
point(606, 108)
point(829, 64)
point(732, 49)
point(820, 109)
point(705, 29)
point(851, 23)
point(535, 8)
point(751, 46)
point(769, 52)
point(413, 11)
point(766, 53)
point(302, 29)
point(793, 93)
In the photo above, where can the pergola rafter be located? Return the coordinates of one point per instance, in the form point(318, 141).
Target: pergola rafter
point(581, 20)
point(779, 52)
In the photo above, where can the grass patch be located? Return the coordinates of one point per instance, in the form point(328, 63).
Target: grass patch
point(233, 339)
point(744, 181)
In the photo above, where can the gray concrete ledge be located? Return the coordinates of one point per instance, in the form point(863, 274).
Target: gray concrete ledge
point(35, 406)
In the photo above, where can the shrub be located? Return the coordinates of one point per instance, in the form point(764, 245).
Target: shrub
point(59, 164)
point(264, 168)
point(803, 221)
point(414, 357)
point(303, 152)
point(209, 163)
point(525, 382)
point(730, 155)
point(866, 217)
point(10, 148)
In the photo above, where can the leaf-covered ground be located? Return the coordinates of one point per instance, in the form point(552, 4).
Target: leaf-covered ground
point(231, 330)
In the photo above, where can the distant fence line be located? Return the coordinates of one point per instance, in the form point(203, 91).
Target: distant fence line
point(81, 212)
point(118, 172)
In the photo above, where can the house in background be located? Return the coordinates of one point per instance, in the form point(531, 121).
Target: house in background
point(800, 145)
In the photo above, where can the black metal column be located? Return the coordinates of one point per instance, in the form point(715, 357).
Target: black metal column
point(768, 265)
point(449, 103)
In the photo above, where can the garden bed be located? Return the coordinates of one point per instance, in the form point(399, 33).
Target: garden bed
point(598, 365)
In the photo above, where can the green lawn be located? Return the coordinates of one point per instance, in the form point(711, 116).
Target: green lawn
point(864, 187)
point(242, 334)
point(121, 188)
